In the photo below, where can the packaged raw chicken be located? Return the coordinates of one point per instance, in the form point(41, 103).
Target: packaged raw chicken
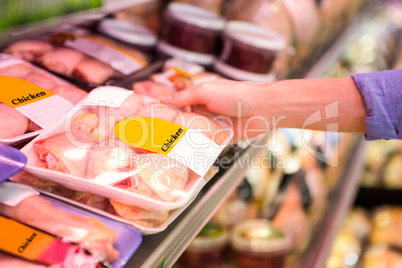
point(176, 75)
point(153, 89)
point(145, 221)
point(19, 122)
point(34, 218)
point(81, 57)
point(130, 149)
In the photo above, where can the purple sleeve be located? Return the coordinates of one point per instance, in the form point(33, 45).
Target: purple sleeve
point(382, 93)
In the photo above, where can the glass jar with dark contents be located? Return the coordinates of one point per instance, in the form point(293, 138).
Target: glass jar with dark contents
point(257, 244)
point(208, 249)
point(249, 52)
point(191, 33)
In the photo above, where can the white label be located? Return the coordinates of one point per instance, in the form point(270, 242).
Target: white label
point(164, 78)
point(196, 151)
point(11, 194)
point(119, 61)
point(46, 112)
point(7, 61)
point(184, 66)
point(113, 176)
point(107, 96)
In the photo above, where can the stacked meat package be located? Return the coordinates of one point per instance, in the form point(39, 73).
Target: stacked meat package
point(16, 126)
point(91, 157)
point(81, 56)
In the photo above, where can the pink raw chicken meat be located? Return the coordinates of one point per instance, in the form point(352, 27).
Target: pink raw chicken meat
point(136, 185)
point(18, 70)
point(108, 117)
point(39, 213)
point(157, 110)
point(92, 200)
point(29, 50)
point(10, 261)
point(40, 79)
point(86, 122)
point(153, 89)
point(207, 126)
point(93, 71)
point(60, 154)
point(12, 122)
point(48, 186)
point(70, 93)
point(140, 216)
point(114, 155)
point(130, 106)
point(165, 176)
point(62, 60)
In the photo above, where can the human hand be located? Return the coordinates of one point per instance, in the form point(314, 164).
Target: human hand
point(238, 103)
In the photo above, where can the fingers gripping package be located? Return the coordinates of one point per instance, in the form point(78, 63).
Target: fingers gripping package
point(85, 58)
point(31, 99)
point(176, 75)
point(127, 154)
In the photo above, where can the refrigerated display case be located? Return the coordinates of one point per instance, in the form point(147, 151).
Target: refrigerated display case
point(164, 249)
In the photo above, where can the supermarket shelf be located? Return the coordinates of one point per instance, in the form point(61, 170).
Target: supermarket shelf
point(166, 247)
point(343, 198)
point(34, 29)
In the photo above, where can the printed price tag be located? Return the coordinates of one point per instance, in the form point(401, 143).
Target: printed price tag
point(106, 52)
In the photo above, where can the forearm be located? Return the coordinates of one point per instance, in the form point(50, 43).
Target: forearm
point(314, 103)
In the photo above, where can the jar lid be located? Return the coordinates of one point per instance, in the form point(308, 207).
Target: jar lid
point(258, 235)
point(254, 35)
point(241, 75)
point(195, 15)
point(203, 59)
point(207, 242)
point(128, 32)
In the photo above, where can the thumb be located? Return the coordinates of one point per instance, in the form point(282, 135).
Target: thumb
point(187, 97)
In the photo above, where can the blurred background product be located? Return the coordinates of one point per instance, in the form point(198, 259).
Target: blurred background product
point(269, 14)
point(249, 52)
point(191, 33)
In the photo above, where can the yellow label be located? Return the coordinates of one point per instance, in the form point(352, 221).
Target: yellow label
point(22, 240)
point(182, 72)
point(16, 92)
point(151, 134)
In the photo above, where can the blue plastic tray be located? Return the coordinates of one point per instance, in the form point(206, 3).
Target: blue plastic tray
point(11, 161)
